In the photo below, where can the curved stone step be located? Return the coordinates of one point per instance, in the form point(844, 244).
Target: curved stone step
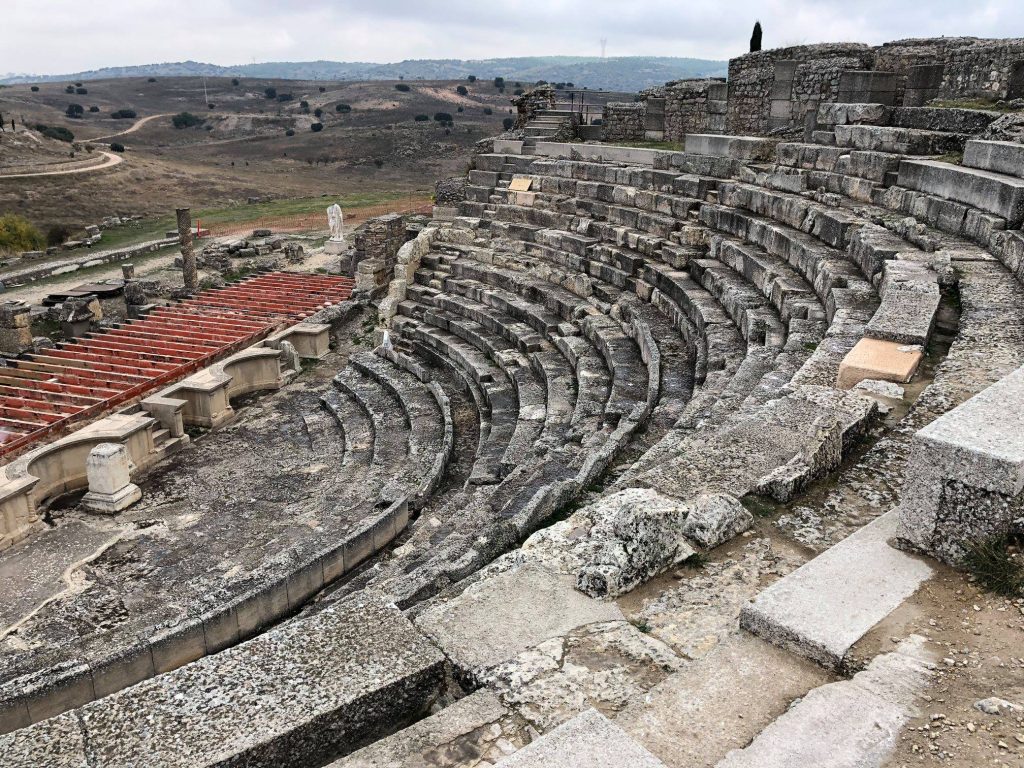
point(355, 425)
point(391, 433)
point(496, 389)
point(428, 425)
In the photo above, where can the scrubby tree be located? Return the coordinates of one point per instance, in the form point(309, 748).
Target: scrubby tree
point(81, 91)
point(74, 110)
point(499, 82)
point(34, 89)
point(507, 123)
point(270, 92)
point(290, 132)
point(442, 117)
point(322, 89)
point(461, 109)
point(18, 234)
point(488, 111)
point(94, 108)
point(186, 120)
point(234, 81)
point(472, 78)
point(78, 85)
point(58, 132)
point(123, 114)
point(402, 87)
point(152, 80)
point(283, 97)
point(316, 127)
point(318, 112)
point(462, 90)
point(755, 39)
point(343, 108)
point(69, 89)
point(421, 118)
point(116, 147)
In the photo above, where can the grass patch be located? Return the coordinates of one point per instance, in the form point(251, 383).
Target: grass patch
point(153, 229)
point(956, 158)
point(987, 104)
point(642, 625)
point(759, 506)
point(998, 565)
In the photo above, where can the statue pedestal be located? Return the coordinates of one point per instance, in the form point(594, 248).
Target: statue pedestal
point(334, 246)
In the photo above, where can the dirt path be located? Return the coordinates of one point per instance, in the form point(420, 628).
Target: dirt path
point(135, 126)
point(110, 161)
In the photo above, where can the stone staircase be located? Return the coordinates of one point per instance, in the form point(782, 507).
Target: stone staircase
point(548, 125)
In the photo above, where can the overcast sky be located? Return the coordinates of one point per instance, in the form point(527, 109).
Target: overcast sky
point(58, 36)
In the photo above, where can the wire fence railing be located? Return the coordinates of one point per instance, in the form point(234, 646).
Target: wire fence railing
point(317, 220)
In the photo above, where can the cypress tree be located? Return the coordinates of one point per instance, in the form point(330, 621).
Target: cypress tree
point(755, 39)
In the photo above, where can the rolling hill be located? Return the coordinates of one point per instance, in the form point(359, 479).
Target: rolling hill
point(624, 73)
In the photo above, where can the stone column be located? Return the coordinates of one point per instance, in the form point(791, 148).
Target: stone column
point(15, 327)
point(110, 487)
point(189, 272)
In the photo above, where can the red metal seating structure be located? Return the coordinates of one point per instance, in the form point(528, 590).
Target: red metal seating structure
point(41, 394)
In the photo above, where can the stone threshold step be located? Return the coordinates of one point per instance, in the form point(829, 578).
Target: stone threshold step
point(824, 607)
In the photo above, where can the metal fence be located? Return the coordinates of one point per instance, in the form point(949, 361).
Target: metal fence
point(306, 222)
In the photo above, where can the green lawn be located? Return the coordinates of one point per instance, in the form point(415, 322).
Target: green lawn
point(152, 229)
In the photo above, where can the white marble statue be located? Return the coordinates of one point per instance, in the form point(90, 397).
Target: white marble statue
point(336, 221)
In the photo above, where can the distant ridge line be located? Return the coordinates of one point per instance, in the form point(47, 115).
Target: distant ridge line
point(627, 73)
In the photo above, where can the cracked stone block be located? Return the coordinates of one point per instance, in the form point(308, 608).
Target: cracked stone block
point(966, 474)
point(590, 740)
point(533, 603)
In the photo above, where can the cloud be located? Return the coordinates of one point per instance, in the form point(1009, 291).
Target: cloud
point(53, 36)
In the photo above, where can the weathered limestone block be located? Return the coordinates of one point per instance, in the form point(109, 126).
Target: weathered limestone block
point(997, 156)
point(966, 474)
point(633, 535)
point(535, 604)
point(15, 327)
point(716, 518)
point(590, 740)
point(110, 487)
point(853, 114)
point(993, 193)
point(294, 696)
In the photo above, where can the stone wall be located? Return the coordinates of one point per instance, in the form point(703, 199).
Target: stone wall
point(622, 121)
point(773, 90)
point(376, 250)
point(450, 191)
point(694, 106)
point(533, 101)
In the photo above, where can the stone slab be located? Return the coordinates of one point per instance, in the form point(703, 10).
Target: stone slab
point(735, 147)
point(294, 696)
point(997, 156)
point(966, 472)
point(589, 740)
point(850, 724)
point(520, 184)
point(448, 732)
point(719, 702)
point(905, 317)
point(821, 609)
point(879, 359)
point(991, 192)
point(507, 613)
